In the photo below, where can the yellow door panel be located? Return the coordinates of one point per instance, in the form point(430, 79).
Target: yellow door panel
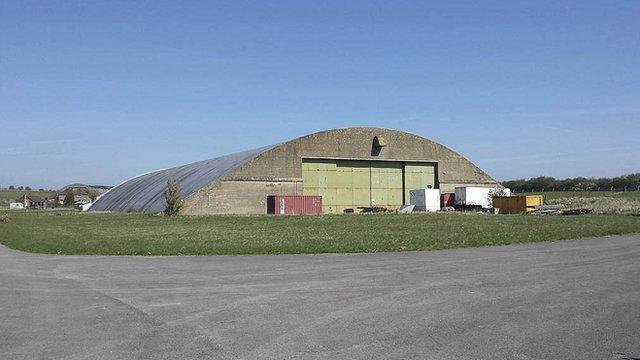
point(418, 176)
point(361, 197)
point(358, 183)
point(344, 197)
point(386, 184)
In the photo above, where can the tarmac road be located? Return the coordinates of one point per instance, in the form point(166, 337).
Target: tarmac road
point(565, 300)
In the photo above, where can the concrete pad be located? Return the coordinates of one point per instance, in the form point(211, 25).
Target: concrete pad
point(565, 300)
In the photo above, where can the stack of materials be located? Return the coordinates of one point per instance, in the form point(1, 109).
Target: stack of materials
point(518, 204)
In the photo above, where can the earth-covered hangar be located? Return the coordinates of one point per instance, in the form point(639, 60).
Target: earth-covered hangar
point(349, 168)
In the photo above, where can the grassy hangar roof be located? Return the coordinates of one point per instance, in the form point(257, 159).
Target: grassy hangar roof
point(201, 181)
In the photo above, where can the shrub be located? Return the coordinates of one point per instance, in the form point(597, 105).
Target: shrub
point(600, 205)
point(172, 198)
point(496, 192)
point(69, 198)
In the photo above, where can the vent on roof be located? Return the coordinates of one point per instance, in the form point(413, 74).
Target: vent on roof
point(378, 143)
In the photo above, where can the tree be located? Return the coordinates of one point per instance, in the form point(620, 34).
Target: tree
point(93, 195)
point(496, 193)
point(20, 188)
point(69, 198)
point(620, 183)
point(28, 188)
point(11, 187)
point(172, 198)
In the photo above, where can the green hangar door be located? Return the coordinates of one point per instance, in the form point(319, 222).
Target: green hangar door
point(418, 176)
point(351, 184)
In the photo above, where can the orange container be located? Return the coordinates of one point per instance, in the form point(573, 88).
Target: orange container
point(294, 205)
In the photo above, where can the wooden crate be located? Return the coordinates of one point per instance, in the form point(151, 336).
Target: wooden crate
point(517, 204)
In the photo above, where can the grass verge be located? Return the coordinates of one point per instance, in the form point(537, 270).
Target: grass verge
point(552, 195)
point(602, 202)
point(142, 234)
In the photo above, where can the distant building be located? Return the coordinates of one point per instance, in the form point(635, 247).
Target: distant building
point(90, 188)
point(80, 196)
point(16, 206)
point(30, 201)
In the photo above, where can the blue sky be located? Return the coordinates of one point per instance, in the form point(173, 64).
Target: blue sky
point(97, 92)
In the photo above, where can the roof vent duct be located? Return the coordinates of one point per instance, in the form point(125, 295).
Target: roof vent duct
point(378, 143)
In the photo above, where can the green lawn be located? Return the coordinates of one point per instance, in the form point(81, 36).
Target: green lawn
point(142, 234)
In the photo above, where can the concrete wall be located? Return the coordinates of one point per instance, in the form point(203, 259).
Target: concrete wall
point(239, 197)
point(279, 171)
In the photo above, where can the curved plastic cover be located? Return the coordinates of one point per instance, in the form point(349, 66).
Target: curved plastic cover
point(146, 192)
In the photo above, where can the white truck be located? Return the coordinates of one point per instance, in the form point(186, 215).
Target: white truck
point(473, 196)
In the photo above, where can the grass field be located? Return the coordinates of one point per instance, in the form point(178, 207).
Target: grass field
point(9, 196)
point(602, 202)
point(142, 234)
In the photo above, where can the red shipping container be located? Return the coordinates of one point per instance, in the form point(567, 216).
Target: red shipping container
point(294, 205)
point(447, 199)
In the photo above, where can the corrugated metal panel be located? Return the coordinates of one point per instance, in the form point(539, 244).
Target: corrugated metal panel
point(294, 205)
point(145, 192)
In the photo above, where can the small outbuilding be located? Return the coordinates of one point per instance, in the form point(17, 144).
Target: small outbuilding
point(30, 201)
point(350, 168)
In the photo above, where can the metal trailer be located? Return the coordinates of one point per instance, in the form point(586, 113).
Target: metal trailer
point(472, 196)
point(425, 199)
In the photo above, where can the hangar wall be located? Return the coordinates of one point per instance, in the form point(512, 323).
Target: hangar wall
point(239, 197)
point(279, 170)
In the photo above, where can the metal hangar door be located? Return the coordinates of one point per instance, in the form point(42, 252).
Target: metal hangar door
point(361, 183)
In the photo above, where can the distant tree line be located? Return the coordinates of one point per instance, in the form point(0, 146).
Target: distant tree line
point(25, 188)
point(629, 182)
point(20, 188)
